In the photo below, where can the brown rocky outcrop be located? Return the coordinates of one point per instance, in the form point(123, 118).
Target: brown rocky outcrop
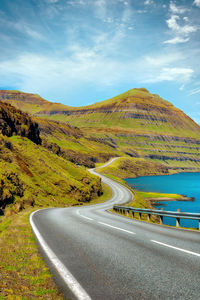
point(10, 187)
point(15, 122)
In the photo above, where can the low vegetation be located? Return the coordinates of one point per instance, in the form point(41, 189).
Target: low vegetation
point(134, 124)
point(23, 273)
point(35, 176)
point(43, 161)
point(125, 167)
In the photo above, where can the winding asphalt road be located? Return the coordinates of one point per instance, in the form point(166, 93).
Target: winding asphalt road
point(95, 254)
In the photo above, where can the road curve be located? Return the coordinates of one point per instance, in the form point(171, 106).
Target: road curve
point(95, 254)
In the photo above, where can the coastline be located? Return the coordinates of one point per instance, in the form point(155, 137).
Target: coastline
point(184, 198)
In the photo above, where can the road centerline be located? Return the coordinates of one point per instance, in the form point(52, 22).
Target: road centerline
point(176, 248)
point(108, 225)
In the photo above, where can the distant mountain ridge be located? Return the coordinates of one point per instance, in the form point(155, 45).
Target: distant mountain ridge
point(135, 124)
point(31, 103)
point(136, 104)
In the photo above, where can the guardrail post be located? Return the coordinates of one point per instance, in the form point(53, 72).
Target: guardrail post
point(178, 220)
point(130, 212)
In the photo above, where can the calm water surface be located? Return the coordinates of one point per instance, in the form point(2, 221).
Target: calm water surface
point(187, 184)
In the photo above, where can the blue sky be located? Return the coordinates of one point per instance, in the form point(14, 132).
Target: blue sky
point(78, 52)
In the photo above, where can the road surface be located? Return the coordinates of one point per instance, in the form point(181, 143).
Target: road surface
point(97, 255)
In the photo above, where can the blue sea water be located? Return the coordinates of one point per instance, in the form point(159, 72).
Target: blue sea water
point(187, 184)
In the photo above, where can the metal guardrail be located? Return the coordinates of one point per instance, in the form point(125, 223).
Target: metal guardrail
point(130, 211)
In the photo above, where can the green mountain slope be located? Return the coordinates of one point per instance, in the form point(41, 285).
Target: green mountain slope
point(31, 103)
point(136, 123)
point(136, 110)
point(71, 143)
point(31, 174)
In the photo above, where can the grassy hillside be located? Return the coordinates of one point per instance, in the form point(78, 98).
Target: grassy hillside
point(138, 110)
point(125, 167)
point(42, 159)
point(31, 103)
point(30, 174)
point(71, 143)
point(135, 124)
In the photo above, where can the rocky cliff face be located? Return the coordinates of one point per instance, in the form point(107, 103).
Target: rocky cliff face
point(15, 122)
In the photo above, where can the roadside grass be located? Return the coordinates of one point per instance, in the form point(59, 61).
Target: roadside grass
point(160, 196)
point(142, 201)
point(23, 273)
point(97, 165)
point(129, 167)
point(107, 194)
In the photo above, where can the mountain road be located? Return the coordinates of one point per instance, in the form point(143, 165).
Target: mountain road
point(99, 255)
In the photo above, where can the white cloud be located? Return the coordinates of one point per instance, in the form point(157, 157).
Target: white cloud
point(23, 27)
point(32, 33)
point(101, 9)
point(172, 74)
point(142, 11)
point(42, 74)
point(148, 2)
point(76, 2)
point(186, 19)
point(164, 60)
point(177, 40)
point(172, 22)
point(181, 32)
point(166, 67)
point(185, 29)
point(50, 75)
point(195, 91)
point(197, 3)
point(177, 9)
point(182, 87)
point(52, 1)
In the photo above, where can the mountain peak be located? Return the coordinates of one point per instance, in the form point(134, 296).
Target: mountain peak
point(142, 89)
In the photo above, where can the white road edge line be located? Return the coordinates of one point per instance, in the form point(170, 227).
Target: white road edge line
point(85, 217)
point(78, 213)
point(68, 278)
point(131, 232)
point(176, 248)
